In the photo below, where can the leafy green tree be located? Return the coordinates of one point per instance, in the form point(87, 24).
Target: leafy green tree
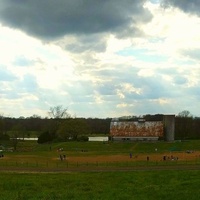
point(57, 114)
point(3, 134)
point(184, 124)
point(45, 137)
point(72, 128)
point(48, 133)
point(15, 134)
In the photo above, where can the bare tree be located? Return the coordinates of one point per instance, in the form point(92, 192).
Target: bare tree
point(58, 112)
point(185, 114)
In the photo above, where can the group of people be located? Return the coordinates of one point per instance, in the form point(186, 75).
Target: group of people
point(170, 158)
point(165, 158)
point(62, 157)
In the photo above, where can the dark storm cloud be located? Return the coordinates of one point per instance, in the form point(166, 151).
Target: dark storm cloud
point(50, 19)
point(190, 6)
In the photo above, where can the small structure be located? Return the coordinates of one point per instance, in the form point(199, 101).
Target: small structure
point(31, 139)
point(98, 139)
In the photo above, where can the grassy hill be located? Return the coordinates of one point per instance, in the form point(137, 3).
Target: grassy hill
point(107, 147)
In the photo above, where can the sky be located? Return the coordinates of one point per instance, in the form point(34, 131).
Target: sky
point(99, 58)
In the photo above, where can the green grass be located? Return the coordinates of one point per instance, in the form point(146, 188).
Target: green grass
point(112, 147)
point(141, 185)
point(30, 155)
point(108, 148)
point(47, 151)
point(138, 185)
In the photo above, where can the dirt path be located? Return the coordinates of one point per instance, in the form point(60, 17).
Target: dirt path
point(181, 156)
point(94, 167)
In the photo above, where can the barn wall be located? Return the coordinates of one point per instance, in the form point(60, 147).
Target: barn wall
point(136, 129)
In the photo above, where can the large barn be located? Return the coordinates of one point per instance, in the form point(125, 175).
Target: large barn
point(143, 129)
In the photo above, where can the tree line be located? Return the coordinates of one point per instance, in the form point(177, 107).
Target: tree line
point(52, 129)
point(62, 127)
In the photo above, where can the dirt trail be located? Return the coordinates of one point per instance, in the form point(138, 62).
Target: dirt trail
point(170, 156)
point(181, 156)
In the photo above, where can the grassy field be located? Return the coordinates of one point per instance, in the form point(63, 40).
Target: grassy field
point(141, 185)
point(29, 154)
point(35, 172)
point(110, 148)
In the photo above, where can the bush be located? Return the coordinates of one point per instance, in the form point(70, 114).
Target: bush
point(4, 137)
point(83, 138)
point(45, 137)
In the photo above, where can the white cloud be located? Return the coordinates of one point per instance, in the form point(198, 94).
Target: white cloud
point(105, 74)
point(175, 29)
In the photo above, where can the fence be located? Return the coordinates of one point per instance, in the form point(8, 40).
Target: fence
point(66, 165)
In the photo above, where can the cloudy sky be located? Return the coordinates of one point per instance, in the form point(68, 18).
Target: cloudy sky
point(99, 58)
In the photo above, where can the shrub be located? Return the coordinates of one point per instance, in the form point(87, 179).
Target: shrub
point(4, 137)
point(82, 138)
point(45, 137)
